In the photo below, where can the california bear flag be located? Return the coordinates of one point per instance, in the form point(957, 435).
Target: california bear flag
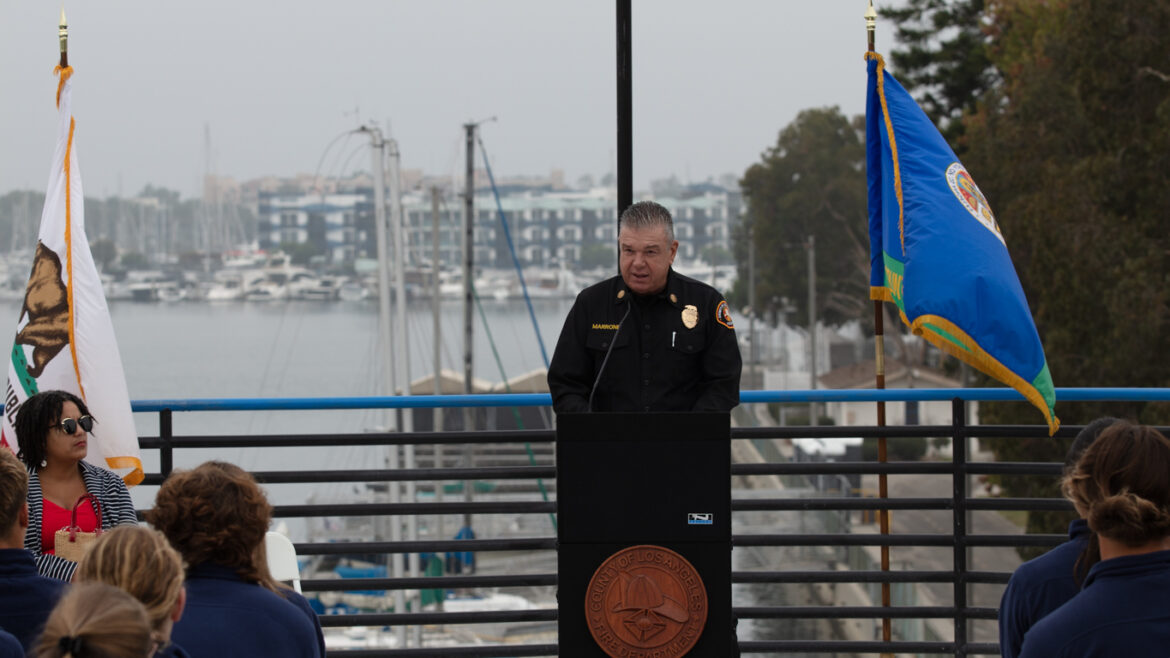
point(64, 337)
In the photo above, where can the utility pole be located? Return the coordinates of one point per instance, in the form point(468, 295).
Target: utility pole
point(812, 325)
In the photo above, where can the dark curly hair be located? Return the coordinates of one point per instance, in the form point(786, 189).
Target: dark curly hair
point(35, 416)
point(1122, 483)
point(215, 513)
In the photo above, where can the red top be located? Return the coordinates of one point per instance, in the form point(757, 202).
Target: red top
point(54, 517)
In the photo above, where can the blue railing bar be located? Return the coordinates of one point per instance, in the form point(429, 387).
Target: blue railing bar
point(543, 399)
point(947, 394)
point(361, 402)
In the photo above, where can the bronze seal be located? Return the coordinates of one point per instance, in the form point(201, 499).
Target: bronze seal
point(646, 601)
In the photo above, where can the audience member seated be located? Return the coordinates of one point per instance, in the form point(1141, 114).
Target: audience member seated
point(140, 562)
point(216, 517)
point(1043, 584)
point(94, 620)
point(1121, 485)
point(26, 597)
point(53, 430)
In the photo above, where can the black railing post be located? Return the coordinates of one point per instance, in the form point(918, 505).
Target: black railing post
point(166, 460)
point(959, 495)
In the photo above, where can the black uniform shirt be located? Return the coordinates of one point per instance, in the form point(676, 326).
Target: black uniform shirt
point(675, 351)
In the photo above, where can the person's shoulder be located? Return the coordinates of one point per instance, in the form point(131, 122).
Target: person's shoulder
point(10, 646)
point(602, 289)
point(1056, 563)
point(105, 475)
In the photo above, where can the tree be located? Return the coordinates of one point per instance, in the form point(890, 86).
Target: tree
point(812, 182)
point(1072, 153)
point(944, 60)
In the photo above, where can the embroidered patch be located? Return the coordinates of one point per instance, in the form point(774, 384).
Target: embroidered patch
point(723, 316)
point(968, 194)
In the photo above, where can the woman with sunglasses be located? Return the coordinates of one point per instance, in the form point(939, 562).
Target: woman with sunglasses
point(52, 432)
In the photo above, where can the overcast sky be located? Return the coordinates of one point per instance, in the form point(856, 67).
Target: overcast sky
point(276, 82)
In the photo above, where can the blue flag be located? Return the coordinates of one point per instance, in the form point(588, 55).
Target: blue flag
point(936, 250)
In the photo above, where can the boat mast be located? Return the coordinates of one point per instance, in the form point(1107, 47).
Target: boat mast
point(403, 362)
point(468, 258)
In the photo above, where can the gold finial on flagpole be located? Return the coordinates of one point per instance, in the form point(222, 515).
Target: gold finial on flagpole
point(870, 23)
point(63, 35)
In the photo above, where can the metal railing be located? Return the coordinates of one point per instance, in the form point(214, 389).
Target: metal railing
point(776, 585)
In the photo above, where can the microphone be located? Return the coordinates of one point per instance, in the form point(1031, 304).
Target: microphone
point(609, 351)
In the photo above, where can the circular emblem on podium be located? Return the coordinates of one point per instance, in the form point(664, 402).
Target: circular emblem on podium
point(646, 600)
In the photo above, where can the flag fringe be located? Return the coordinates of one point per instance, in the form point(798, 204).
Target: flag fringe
point(881, 90)
point(974, 355)
point(65, 74)
point(135, 476)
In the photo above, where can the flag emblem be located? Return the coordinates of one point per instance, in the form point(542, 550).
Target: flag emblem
point(968, 194)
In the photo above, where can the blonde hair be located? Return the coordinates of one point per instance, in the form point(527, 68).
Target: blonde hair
point(93, 620)
point(1122, 481)
point(139, 561)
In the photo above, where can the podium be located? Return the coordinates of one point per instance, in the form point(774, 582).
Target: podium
point(635, 493)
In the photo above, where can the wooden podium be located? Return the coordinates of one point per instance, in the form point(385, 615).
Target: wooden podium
point(644, 534)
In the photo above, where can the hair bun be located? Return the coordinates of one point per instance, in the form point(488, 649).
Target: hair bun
point(1128, 518)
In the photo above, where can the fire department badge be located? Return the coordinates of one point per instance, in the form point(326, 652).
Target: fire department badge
point(646, 600)
point(690, 316)
point(723, 316)
point(968, 194)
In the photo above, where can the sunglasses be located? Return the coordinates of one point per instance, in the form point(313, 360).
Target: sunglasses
point(69, 425)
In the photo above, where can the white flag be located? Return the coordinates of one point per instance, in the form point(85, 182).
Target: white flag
point(64, 337)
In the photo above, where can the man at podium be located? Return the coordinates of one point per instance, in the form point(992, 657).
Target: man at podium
point(650, 339)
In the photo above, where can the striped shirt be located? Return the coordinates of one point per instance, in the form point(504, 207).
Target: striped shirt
point(112, 496)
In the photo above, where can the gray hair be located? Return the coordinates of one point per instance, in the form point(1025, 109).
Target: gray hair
point(648, 214)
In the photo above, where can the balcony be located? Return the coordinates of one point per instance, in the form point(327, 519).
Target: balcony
point(808, 550)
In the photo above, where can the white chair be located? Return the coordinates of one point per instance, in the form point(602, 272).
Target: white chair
point(282, 560)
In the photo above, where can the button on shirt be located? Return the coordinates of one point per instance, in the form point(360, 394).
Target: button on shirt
point(675, 350)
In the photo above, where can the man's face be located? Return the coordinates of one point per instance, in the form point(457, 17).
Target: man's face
point(646, 255)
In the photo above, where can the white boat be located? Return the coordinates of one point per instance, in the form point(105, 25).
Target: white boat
point(232, 285)
point(319, 289)
point(541, 282)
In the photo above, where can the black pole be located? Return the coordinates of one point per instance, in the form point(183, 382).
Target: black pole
point(625, 123)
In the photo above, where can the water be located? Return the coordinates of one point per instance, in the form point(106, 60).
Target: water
point(298, 349)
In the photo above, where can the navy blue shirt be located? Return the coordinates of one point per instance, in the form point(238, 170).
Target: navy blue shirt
point(10, 646)
point(1038, 587)
point(1123, 610)
point(171, 650)
point(26, 597)
point(227, 617)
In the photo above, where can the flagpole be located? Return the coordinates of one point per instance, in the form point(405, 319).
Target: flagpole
point(63, 36)
point(879, 366)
